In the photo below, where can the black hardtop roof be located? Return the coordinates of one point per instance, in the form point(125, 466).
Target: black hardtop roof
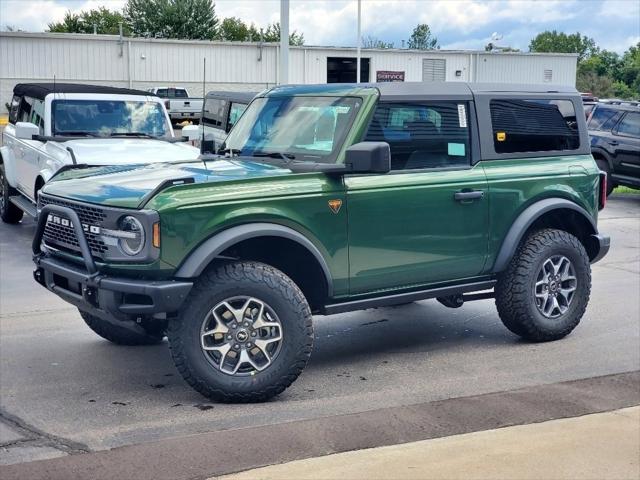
point(232, 96)
point(41, 90)
point(399, 91)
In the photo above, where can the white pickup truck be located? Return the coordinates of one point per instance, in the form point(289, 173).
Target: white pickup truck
point(52, 126)
point(179, 104)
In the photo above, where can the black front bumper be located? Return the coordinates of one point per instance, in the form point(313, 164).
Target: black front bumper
point(102, 295)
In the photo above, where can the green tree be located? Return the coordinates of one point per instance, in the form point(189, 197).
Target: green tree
point(183, 19)
point(272, 34)
point(373, 42)
point(630, 69)
point(105, 21)
point(422, 38)
point(560, 42)
point(235, 30)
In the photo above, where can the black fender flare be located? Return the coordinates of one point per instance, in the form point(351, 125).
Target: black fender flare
point(526, 219)
point(198, 259)
point(601, 152)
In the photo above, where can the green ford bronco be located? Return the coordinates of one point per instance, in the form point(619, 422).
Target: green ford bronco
point(326, 199)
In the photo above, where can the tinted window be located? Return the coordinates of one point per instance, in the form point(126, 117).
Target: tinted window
point(179, 93)
point(630, 125)
point(603, 118)
point(24, 112)
point(534, 125)
point(235, 111)
point(214, 109)
point(162, 93)
point(434, 135)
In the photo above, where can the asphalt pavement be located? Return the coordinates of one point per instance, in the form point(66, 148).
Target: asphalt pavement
point(66, 391)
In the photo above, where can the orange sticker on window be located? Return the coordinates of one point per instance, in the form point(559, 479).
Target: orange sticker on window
point(501, 136)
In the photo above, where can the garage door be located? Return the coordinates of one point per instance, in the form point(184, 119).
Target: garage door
point(434, 70)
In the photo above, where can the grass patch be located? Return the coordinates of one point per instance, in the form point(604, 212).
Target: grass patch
point(626, 190)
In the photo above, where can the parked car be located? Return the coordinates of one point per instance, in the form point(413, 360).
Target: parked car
point(221, 111)
point(52, 126)
point(180, 105)
point(615, 143)
point(588, 102)
point(333, 199)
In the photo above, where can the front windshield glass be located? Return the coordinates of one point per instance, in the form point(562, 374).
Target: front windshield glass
point(300, 128)
point(108, 117)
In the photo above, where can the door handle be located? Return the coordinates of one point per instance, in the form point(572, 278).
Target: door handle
point(465, 195)
point(614, 143)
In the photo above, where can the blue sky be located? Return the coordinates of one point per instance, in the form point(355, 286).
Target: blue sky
point(463, 24)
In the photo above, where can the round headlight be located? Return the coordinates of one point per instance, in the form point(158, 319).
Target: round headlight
point(132, 241)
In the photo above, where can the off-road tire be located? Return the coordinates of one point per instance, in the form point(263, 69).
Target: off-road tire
point(8, 211)
point(604, 166)
point(515, 299)
point(121, 335)
point(226, 281)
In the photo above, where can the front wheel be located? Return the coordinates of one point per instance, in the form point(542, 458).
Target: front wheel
point(8, 211)
point(543, 293)
point(245, 334)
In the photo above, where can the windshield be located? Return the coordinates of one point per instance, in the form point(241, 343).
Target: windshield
point(301, 128)
point(108, 117)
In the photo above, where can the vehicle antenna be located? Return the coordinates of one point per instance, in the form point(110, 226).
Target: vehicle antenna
point(204, 99)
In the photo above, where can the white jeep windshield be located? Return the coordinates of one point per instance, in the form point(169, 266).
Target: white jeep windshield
point(108, 117)
point(304, 128)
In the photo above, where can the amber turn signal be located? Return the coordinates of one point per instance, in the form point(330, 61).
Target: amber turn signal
point(156, 235)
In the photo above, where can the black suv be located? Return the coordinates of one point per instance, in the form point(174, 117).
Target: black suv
point(615, 143)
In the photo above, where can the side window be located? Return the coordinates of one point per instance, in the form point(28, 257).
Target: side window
point(235, 112)
point(214, 109)
point(603, 118)
point(24, 112)
point(180, 93)
point(433, 135)
point(629, 126)
point(37, 115)
point(533, 125)
point(15, 107)
point(162, 93)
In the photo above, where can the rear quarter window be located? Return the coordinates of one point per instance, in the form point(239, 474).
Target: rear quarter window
point(522, 126)
point(214, 112)
point(603, 118)
point(630, 125)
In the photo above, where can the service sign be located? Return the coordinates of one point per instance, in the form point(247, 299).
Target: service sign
point(389, 76)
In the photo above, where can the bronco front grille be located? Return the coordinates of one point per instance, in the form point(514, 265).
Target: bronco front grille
point(60, 234)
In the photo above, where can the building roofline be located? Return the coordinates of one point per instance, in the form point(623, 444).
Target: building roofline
point(115, 38)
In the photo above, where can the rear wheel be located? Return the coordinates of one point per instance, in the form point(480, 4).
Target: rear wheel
point(245, 334)
point(130, 335)
point(543, 293)
point(8, 211)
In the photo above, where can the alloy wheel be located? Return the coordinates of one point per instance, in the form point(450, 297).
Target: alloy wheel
point(555, 286)
point(241, 336)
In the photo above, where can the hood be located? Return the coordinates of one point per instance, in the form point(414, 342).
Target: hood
point(132, 185)
point(125, 151)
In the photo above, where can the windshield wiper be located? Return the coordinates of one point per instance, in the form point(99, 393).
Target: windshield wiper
point(282, 155)
point(75, 133)
point(132, 134)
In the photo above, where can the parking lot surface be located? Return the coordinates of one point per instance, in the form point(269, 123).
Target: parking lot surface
point(65, 390)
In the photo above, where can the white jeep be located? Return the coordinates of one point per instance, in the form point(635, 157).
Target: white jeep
point(52, 126)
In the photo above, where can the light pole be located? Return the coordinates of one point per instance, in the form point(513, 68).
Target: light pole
point(284, 41)
point(359, 43)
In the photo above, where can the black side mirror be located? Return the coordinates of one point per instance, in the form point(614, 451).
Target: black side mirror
point(368, 157)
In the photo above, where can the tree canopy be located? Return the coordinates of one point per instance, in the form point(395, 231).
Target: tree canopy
point(373, 42)
point(182, 19)
point(560, 42)
point(422, 38)
point(105, 21)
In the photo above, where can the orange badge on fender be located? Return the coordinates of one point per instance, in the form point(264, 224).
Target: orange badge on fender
point(335, 205)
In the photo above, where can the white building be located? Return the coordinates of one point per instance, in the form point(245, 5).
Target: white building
point(144, 63)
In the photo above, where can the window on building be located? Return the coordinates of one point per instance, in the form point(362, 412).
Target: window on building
point(214, 110)
point(344, 70)
point(630, 125)
point(434, 135)
point(533, 125)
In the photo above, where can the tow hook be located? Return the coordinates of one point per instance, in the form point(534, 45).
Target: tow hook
point(89, 295)
point(38, 276)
